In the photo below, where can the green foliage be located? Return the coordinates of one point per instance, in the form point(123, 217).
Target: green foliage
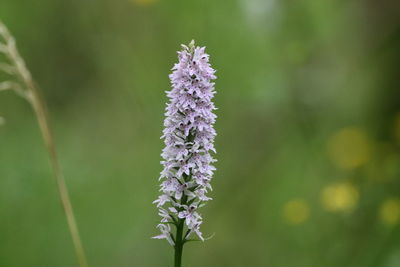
point(308, 144)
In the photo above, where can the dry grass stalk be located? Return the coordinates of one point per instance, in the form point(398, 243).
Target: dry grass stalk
point(26, 88)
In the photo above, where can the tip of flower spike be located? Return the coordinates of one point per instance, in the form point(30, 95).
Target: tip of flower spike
point(191, 44)
point(190, 47)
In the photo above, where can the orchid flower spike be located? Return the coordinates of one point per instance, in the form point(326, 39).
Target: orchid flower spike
point(189, 145)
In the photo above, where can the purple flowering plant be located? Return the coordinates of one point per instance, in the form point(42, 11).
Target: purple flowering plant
point(189, 145)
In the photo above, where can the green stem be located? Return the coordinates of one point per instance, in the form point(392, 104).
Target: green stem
point(179, 243)
point(180, 238)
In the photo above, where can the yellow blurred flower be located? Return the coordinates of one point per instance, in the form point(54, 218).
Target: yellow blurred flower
point(296, 211)
point(339, 197)
point(144, 2)
point(390, 211)
point(349, 148)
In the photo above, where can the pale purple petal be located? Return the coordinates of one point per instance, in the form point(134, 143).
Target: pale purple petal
point(188, 137)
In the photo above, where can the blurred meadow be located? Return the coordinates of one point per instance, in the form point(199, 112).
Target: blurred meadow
point(308, 170)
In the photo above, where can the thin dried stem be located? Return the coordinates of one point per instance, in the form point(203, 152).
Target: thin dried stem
point(31, 93)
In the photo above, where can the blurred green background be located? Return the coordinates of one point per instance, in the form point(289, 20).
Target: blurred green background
point(308, 131)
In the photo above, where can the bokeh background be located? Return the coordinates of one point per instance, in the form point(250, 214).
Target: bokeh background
point(308, 131)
